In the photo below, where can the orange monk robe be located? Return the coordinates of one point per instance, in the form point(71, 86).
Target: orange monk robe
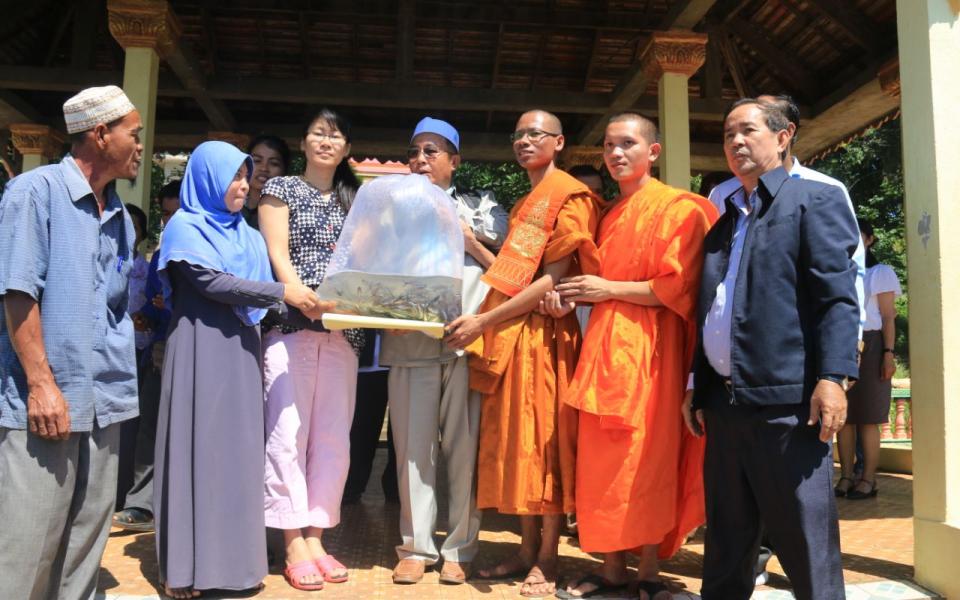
point(639, 471)
point(527, 450)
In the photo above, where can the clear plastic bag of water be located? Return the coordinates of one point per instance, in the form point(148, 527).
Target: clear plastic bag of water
point(400, 254)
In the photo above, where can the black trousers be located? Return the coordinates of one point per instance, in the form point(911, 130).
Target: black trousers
point(139, 493)
point(766, 469)
point(365, 436)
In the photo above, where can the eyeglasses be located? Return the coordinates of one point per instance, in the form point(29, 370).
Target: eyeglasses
point(430, 152)
point(534, 135)
point(334, 138)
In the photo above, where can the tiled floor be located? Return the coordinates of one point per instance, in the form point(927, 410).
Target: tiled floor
point(876, 537)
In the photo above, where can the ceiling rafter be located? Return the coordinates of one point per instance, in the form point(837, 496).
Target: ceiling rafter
point(496, 71)
point(686, 14)
point(731, 56)
point(856, 25)
point(406, 30)
point(798, 77)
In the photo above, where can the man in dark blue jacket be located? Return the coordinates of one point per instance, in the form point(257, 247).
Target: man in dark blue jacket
point(778, 318)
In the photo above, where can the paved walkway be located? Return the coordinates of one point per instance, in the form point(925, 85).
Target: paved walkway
point(876, 537)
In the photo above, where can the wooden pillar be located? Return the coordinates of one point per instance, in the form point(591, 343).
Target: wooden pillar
point(36, 143)
point(671, 58)
point(148, 31)
point(929, 43)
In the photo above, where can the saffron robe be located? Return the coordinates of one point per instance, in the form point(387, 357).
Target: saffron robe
point(639, 471)
point(527, 452)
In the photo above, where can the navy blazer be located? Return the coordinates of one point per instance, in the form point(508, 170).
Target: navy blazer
point(795, 312)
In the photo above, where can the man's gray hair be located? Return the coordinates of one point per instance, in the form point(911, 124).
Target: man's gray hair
point(772, 114)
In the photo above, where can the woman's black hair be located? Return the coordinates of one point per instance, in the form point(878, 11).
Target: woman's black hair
point(345, 182)
point(867, 230)
point(139, 217)
point(274, 143)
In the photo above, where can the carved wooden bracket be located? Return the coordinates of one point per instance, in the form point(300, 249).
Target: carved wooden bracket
point(240, 140)
point(674, 51)
point(889, 76)
point(144, 24)
point(30, 138)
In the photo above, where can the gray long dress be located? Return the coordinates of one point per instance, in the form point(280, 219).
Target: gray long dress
point(208, 489)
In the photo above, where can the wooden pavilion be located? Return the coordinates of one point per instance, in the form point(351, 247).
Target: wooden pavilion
point(200, 69)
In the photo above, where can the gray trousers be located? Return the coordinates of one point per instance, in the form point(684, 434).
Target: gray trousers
point(433, 412)
point(56, 499)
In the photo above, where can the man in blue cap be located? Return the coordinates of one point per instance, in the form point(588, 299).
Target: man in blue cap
point(430, 398)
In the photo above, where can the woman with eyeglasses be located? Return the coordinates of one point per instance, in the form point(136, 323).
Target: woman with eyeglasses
point(310, 374)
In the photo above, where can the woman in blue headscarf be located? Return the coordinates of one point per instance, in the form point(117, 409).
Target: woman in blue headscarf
point(208, 493)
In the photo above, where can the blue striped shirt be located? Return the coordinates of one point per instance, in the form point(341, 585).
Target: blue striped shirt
point(57, 248)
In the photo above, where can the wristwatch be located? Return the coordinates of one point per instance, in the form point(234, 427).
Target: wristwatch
point(890, 350)
point(843, 382)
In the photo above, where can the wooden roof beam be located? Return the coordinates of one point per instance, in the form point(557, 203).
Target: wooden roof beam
point(630, 88)
point(339, 93)
point(406, 30)
point(686, 14)
point(55, 79)
point(14, 109)
point(731, 56)
point(88, 16)
point(388, 143)
point(514, 14)
point(401, 95)
point(785, 66)
point(855, 24)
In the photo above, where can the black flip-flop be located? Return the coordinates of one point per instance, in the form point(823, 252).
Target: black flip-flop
point(652, 588)
point(133, 519)
point(604, 587)
point(509, 575)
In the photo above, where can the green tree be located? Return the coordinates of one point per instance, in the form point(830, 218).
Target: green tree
point(506, 180)
point(872, 169)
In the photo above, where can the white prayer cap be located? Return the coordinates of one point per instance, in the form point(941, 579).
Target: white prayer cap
point(95, 105)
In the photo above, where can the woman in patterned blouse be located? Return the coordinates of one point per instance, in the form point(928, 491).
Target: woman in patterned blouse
point(310, 374)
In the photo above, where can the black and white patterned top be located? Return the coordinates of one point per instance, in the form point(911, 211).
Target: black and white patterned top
point(316, 219)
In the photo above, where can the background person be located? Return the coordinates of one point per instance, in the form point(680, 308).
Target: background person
point(271, 158)
point(310, 374)
point(868, 402)
point(209, 460)
point(136, 511)
point(141, 339)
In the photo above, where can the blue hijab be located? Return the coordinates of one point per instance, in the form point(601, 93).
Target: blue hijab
point(204, 233)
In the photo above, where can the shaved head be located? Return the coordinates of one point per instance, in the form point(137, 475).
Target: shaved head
point(647, 129)
point(548, 119)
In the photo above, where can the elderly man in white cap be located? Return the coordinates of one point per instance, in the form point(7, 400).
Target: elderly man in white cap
point(67, 367)
point(432, 410)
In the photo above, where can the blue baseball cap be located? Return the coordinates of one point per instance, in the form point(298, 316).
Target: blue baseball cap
point(441, 128)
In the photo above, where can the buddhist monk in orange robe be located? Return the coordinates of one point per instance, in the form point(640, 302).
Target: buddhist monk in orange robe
point(639, 471)
point(523, 360)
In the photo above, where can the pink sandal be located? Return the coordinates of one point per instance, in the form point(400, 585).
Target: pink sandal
point(293, 573)
point(328, 564)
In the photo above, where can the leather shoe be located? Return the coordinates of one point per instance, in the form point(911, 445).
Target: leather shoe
point(409, 570)
point(454, 573)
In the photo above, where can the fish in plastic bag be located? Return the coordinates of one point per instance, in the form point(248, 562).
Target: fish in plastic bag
point(400, 253)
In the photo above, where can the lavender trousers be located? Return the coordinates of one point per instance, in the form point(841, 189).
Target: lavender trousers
point(310, 381)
